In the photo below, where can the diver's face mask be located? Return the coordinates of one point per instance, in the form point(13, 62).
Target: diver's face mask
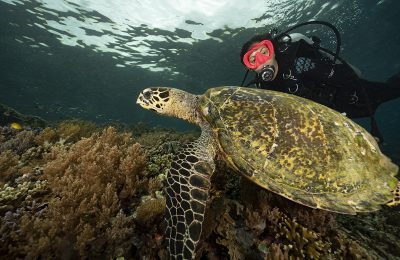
point(259, 54)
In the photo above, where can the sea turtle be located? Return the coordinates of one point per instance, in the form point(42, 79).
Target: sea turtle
point(289, 145)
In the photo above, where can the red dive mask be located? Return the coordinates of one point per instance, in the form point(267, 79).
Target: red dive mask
point(259, 58)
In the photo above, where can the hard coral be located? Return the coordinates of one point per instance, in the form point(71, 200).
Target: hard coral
point(303, 243)
point(21, 196)
point(261, 225)
point(275, 252)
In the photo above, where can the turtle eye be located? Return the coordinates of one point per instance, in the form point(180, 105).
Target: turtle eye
point(147, 94)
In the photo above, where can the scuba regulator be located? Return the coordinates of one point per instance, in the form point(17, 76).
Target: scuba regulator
point(267, 73)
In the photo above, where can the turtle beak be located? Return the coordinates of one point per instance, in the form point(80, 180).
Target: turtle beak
point(141, 100)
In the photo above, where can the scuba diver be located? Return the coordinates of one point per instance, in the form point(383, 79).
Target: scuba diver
point(296, 64)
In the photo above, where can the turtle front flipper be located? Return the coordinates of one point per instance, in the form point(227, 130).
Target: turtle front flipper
point(187, 194)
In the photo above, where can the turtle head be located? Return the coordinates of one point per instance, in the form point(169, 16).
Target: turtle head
point(155, 99)
point(170, 101)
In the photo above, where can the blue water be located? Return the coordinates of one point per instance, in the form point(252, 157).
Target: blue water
point(89, 59)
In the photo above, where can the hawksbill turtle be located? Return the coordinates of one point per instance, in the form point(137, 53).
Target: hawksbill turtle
point(289, 145)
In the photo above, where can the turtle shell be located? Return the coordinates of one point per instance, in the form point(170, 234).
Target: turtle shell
point(299, 149)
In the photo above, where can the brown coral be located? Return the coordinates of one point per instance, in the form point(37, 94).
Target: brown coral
point(93, 182)
point(303, 243)
point(150, 210)
point(67, 131)
point(8, 166)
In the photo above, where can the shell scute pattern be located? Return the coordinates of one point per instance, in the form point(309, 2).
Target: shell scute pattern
point(291, 146)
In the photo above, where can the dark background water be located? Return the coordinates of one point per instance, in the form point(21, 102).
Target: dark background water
point(49, 71)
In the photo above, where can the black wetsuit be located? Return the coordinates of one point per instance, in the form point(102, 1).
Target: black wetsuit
point(307, 71)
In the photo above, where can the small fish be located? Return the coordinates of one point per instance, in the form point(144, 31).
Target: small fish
point(16, 126)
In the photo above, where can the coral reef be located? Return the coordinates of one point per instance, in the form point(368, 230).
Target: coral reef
point(80, 189)
point(66, 131)
point(8, 164)
point(75, 190)
point(90, 186)
point(257, 224)
point(22, 195)
point(378, 231)
point(16, 140)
